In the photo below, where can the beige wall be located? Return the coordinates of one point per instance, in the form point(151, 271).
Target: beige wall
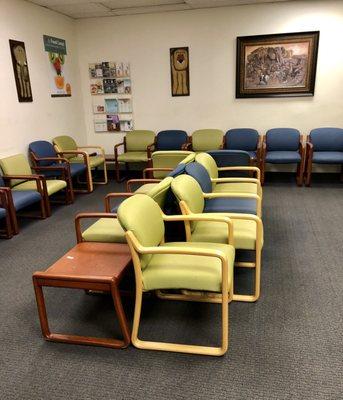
point(45, 117)
point(144, 40)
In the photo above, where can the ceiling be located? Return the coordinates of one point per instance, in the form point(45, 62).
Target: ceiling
point(104, 8)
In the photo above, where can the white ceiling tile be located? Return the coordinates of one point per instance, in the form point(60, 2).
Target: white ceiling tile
point(151, 9)
point(115, 4)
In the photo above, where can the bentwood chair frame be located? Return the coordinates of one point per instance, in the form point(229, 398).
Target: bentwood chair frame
point(226, 293)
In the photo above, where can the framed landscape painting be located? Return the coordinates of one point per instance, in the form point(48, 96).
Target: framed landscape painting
point(277, 65)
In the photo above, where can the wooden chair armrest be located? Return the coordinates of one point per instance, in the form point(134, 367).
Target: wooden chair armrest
point(88, 215)
point(242, 168)
point(111, 196)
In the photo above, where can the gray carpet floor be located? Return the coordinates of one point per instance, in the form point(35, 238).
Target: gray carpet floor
point(286, 346)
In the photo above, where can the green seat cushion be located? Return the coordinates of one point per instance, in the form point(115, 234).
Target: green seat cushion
point(178, 271)
point(144, 189)
point(106, 230)
point(237, 187)
point(133, 156)
point(52, 185)
point(244, 233)
point(94, 161)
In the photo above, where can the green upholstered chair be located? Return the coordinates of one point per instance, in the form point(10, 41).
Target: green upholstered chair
point(67, 148)
point(107, 228)
point(206, 139)
point(17, 171)
point(205, 267)
point(247, 229)
point(175, 160)
point(136, 145)
point(234, 184)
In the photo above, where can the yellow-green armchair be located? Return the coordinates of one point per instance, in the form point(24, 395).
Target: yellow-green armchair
point(247, 229)
point(179, 265)
point(67, 148)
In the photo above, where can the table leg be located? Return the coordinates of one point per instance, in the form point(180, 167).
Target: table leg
point(41, 309)
point(120, 313)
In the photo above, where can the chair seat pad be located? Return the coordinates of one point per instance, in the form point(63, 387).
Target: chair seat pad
point(133, 156)
point(178, 271)
point(283, 157)
point(2, 213)
point(237, 187)
point(94, 161)
point(232, 205)
point(244, 233)
point(252, 154)
point(105, 230)
point(24, 198)
point(328, 157)
point(144, 189)
point(52, 185)
point(77, 168)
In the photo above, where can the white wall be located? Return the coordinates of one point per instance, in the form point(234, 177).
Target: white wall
point(45, 117)
point(144, 41)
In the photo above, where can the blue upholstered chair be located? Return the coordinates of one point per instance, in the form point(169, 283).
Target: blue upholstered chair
point(18, 200)
point(169, 140)
point(246, 139)
point(283, 146)
point(46, 162)
point(324, 146)
point(221, 202)
point(6, 230)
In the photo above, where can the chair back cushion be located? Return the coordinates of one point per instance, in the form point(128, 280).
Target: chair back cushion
point(209, 163)
point(15, 165)
point(188, 189)
point(241, 139)
point(167, 159)
point(200, 174)
point(65, 143)
point(231, 158)
point(282, 139)
point(2, 182)
point(159, 192)
point(43, 149)
point(171, 140)
point(327, 139)
point(139, 140)
point(141, 215)
point(207, 139)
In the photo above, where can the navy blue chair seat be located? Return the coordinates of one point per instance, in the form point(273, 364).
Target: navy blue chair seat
point(232, 205)
point(328, 157)
point(219, 204)
point(3, 213)
point(283, 157)
point(24, 198)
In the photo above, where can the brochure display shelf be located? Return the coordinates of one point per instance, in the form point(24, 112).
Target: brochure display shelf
point(111, 91)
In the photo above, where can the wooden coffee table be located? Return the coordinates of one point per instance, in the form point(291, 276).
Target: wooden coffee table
point(88, 266)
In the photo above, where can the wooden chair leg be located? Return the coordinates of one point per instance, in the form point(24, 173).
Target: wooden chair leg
point(262, 169)
point(308, 173)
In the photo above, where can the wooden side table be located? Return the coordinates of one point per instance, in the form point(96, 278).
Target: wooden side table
point(88, 266)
